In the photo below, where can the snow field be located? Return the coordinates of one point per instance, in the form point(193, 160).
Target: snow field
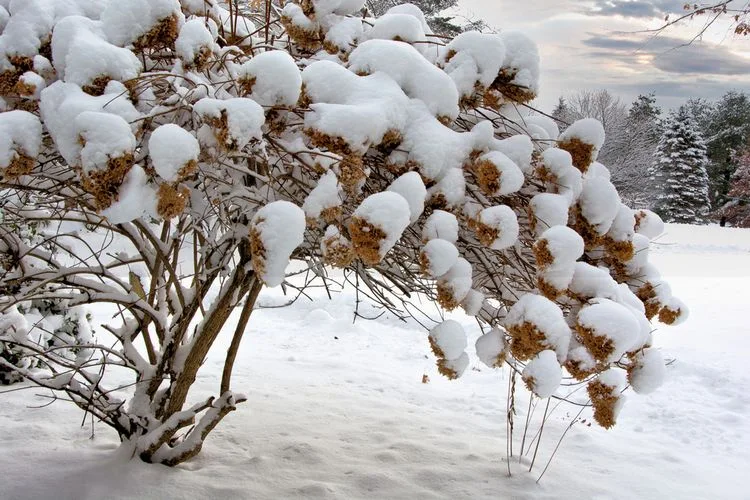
point(337, 410)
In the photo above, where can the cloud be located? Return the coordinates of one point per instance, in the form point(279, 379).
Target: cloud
point(670, 55)
point(636, 8)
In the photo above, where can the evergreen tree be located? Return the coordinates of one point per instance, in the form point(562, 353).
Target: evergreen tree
point(679, 171)
point(728, 133)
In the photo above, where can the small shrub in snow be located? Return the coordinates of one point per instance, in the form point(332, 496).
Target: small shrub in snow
point(186, 151)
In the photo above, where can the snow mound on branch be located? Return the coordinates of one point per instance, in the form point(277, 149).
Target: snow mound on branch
point(590, 281)
point(81, 54)
point(172, 148)
point(326, 194)
point(546, 317)
point(276, 79)
point(491, 348)
point(588, 131)
point(136, 198)
point(450, 190)
point(62, 102)
point(458, 280)
point(361, 110)
point(521, 60)
point(411, 187)
point(436, 149)
point(124, 21)
point(418, 78)
point(563, 244)
point(395, 26)
point(441, 224)
point(450, 337)
point(623, 225)
point(549, 210)
point(648, 371)
point(279, 228)
point(608, 329)
point(476, 58)
point(440, 255)
point(649, 224)
point(519, 148)
point(244, 118)
point(193, 38)
point(345, 34)
point(600, 203)
point(543, 374)
point(105, 136)
point(503, 219)
point(387, 211)
point(20, 134)
point(510, 177)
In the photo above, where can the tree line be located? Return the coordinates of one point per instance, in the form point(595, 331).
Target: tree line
point(690, 164)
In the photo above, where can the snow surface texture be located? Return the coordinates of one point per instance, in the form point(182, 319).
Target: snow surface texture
point(324, 422)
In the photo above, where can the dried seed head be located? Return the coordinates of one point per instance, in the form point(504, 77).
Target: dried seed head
point(582, 153)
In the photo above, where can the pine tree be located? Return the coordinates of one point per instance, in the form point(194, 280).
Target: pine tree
point(728, 134)
point(679, 171)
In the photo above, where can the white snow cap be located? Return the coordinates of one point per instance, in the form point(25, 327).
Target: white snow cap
point(280, 225)
point(136, 198)
point(490, 347)
point(327, 194)
point(623, 226)
point(441, 224)
point(600, 203)
point(648, 372)
point(589, 281)
point(458, 365)
point(649, 224)
point(411, 187)
point(395, 26)
point(81, 53)
point(104, 136)
point(452, 188)
point(565, 245)
point(459, 279)
point(543, 374)
point(418, 78)
point(521, 58)
point(387, 211)
point(441, 255)
point(450, 337)
point(588, 131)
point(360, 110)
point(20, 134)
point(549, 210)
point(476, 58)
point(502, 218)
point(546, 316)
point(124, 21)
point(244, 118)
point(171, 148)
point(277, 79)
point(519, 148)
point(193, 37)
point(511, 177)
point(613, 323)
point(473, 302)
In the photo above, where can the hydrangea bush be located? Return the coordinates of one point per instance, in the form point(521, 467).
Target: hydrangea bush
point(186, 150)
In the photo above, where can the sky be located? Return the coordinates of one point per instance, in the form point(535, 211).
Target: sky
point(600, 44)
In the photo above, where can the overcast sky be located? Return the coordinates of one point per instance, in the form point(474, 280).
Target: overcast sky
point(594, 44)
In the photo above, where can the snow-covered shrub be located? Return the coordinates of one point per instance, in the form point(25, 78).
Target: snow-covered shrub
point(205, 146)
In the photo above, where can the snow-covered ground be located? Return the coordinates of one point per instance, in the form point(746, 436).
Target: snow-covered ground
point(338, 410)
